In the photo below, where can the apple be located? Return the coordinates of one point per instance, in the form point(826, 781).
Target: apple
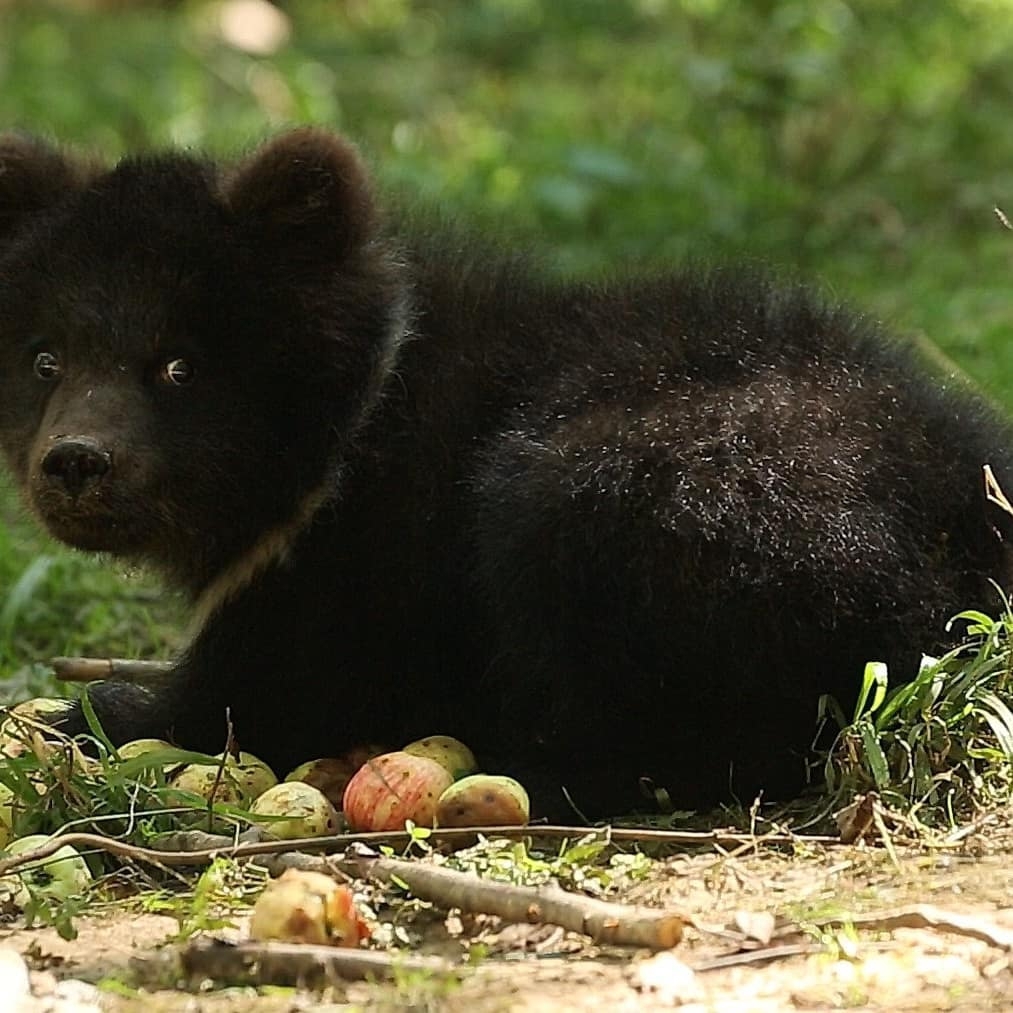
point(62, 875)
point(331, 774)
point(446, 750)
point(308, 812)
point(19, 729)
point(307, 907)
point(392, 788)
point(252, 775)
point(484, 800)
point(7, 806)
point(208, 781)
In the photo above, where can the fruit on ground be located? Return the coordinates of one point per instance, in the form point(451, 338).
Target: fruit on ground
point(142, 747)
point(138, 747)
point(392, 788)
point(20, 728)
point(446, 750)
point(306, 809)
point(331, 774)
point(252, 775)
point(484, 800)
point(236, 781)
point(208, 781)
point(307, 907)
point(62, 875)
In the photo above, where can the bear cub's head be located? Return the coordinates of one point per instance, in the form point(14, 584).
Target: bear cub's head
point(185, 349)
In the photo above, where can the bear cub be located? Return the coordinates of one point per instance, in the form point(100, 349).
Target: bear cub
point(600, 531)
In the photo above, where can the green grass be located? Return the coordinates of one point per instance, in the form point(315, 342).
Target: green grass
point(54, 601)
point(939, 748)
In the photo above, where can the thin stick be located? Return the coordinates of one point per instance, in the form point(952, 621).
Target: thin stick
point(222, 846)
point(298, 964)
point(116, 669)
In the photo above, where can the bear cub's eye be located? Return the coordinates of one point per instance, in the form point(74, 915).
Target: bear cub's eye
point(46, 366)
point(178, 372)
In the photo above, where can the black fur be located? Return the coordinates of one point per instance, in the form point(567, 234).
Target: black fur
point(598, 531)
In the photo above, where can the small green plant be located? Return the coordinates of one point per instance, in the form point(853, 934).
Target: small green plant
point(57, 787)
point(586, 864)
point(223, 886)
point(941, 746)
point(59, 912)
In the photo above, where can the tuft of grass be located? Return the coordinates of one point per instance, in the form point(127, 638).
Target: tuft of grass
point(939, 748)
point(57, 788)
point(224, 887)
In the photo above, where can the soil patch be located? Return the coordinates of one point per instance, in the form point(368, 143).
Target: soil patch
point(815, 928)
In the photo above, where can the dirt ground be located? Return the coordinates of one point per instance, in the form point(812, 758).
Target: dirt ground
point(803, 928)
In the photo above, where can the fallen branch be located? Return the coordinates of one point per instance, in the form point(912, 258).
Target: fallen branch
point(212, 846)
point(200, 844)
point(298, 964)
point(116, 669)
point(604, 922)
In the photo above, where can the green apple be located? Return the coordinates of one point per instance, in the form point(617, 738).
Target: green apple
point(62, 875)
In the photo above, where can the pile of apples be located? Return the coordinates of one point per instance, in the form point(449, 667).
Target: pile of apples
point(432, 782)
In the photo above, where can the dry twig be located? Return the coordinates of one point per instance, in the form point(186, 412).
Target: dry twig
point(298, 964)
point(214, 846)
point(617, 924)
point(604, 922)
point(116, 669)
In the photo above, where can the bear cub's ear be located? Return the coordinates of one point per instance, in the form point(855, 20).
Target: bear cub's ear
point(33, 177)
point(306, 190)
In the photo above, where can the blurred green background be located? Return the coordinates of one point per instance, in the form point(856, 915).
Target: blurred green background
point(862, 142)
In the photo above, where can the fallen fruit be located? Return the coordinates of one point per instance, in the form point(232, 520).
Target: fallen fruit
point(138, 747)
point(252, 774)
point(306, 809)
point(331, 774)
point(209, 781)
point(307, 907)
point(142, 747)
point(234, 781)
point(62, 875)
point(484, 800)
point(24, 725)
point(392, 788)
point(446, 751)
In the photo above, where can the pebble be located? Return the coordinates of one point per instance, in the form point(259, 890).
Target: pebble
point(50, 995)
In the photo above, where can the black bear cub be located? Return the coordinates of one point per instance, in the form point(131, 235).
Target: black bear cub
point(599, 531)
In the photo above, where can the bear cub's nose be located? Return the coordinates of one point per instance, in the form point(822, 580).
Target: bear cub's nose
point(76, 461)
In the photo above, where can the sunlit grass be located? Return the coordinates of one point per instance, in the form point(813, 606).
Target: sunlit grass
point(939, 748)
